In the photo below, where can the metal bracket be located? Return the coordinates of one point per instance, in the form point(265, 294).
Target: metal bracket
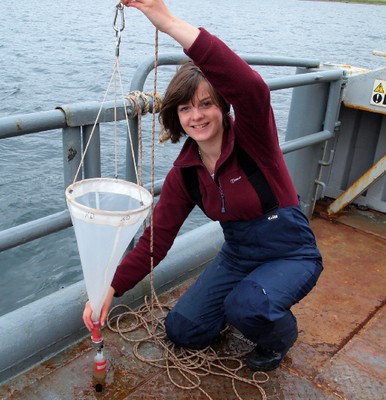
point(329, 161)
point(323, 185)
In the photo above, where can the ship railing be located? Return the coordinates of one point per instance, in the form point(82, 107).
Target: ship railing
point(77, 120)
point(48, 325)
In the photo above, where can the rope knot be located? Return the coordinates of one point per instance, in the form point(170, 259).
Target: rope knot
point(141, 103)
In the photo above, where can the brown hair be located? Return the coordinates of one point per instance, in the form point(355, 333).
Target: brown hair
point(181, 90)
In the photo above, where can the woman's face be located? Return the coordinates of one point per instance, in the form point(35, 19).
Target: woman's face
point(201, 118)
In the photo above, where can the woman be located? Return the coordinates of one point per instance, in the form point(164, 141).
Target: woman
point(269, 260)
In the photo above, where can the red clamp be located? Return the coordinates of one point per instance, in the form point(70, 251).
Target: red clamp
point(95, 335)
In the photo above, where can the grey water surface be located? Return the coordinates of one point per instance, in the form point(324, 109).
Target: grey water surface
point(54, 53)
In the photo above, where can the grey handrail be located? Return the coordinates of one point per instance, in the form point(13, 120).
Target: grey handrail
point(84, 114)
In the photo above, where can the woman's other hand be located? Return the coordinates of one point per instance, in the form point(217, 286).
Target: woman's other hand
point(160, 16)
point(87, 313)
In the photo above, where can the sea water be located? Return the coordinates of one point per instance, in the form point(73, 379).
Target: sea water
point(59, 53)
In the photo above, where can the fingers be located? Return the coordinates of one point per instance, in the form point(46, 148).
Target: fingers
point(106, 305)
point(87, 316)
point(87, 312)
point(104, 312)
point(128, 3)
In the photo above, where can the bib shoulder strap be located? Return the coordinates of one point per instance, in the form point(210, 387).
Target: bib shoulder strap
point(257, 180)
point(250, 168)
point(192, 185)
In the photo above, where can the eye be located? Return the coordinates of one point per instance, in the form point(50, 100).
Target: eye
point(206, 104)
point(183, 108)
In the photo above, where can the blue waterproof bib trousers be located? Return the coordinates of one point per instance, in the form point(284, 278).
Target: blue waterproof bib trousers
point(264, 267)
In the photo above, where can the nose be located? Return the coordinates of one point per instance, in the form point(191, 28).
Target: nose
point(196, 113)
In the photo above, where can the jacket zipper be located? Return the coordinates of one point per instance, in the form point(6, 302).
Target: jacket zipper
point(216, 181)
point(222, 197)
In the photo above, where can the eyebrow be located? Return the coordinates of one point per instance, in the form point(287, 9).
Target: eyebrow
point(206, 98)
point(209, 97)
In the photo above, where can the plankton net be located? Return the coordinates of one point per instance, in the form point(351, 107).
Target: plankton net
point(106, 214)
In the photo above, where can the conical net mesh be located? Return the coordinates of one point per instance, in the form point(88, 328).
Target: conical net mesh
point(106, 214)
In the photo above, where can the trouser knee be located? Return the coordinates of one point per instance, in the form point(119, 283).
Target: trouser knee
point(186, 333)
point(249, 309)
point(247, 306)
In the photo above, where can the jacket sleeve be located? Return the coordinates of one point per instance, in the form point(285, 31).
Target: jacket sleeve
point(243, 88)
point(254, 124)
point(172, 209)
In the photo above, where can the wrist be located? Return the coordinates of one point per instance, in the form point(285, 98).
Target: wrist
point(181, 31)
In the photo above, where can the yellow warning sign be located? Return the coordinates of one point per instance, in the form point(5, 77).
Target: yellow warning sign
point(379, 89)
point(378, 96)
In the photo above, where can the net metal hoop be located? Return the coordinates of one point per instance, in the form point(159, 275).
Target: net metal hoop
point(113, 186)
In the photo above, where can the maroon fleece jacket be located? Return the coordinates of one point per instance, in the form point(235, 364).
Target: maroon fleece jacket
point(254, 129)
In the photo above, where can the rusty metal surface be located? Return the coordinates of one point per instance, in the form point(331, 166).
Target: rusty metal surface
point(376, 172)
point(340, 353)
point(371, 222)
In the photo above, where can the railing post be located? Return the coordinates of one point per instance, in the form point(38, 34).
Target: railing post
point(306, 116)
point(92, 159)
point(331, 124)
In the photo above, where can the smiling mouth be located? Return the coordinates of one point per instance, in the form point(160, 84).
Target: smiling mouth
point(200, 126)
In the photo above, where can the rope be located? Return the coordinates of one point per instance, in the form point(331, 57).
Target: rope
point(153, 293)
point(185, 368)
point(115, 126)
point(137, 97)
point(96, 122)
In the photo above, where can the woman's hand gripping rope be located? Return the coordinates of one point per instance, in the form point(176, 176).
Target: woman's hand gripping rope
point(160, 16)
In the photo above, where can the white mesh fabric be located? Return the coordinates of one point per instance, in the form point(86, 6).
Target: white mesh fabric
point(106, 214)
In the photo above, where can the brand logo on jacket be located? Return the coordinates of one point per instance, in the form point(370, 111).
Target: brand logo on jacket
point(234, 180)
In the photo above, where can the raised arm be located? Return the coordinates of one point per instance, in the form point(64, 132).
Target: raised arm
point(160, 16)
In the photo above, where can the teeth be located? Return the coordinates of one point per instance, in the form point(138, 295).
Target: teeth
point(199, 126)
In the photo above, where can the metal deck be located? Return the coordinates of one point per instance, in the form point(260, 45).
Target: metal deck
point(340, 353)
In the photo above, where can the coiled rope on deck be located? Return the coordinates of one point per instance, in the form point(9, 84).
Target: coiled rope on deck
point(185, 368)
